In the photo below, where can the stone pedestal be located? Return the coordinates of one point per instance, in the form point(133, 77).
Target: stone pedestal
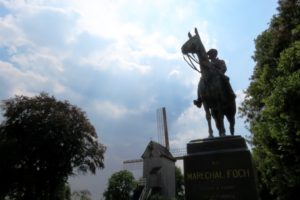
point(219, 168)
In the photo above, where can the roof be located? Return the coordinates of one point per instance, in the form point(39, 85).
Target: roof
point(155, 149)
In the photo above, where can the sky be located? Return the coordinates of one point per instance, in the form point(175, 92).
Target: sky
point(120, 60)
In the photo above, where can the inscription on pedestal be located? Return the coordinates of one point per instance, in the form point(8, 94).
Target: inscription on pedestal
point(218, 175)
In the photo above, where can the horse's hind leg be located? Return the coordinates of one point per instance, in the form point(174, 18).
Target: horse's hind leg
point(231, 121)
point(222, 127)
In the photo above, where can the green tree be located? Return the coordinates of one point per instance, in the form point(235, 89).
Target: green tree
point(63, 192)
point(81, 195)
point(271, 106)
point(43, 141)
point(120, 186)
point(179, 184)
point(156, 197)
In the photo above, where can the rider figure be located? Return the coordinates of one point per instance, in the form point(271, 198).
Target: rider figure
point(220, 67)
point(218, 64)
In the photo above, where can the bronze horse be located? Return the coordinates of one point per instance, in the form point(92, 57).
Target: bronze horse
point(217, 100)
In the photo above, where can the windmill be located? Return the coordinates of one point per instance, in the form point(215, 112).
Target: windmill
point(158, 163)
point(163, 139)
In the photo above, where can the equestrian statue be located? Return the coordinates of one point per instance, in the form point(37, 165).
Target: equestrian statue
point(214, 90)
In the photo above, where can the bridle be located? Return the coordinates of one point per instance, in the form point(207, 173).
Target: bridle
point(190, 61)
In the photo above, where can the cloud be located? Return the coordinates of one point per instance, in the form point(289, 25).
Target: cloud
point(129, 43)
point(19, 82)
point(15, 80)
point(191, 124)
point(111, 110)
point(11, 36)
point(114, 60)
point(39, 62)
point(240, 97)
point(174, 73)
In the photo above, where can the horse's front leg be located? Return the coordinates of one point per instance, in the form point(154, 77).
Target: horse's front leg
point(219, 120)
point(208, 118)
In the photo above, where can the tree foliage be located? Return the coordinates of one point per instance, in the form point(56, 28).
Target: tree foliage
point(64, 192)
point(81, 195)
point(179, 181)
point(120, 186)
point(43, 141)
point(272, 106)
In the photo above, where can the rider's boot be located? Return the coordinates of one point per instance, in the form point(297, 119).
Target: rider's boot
point(198, 102)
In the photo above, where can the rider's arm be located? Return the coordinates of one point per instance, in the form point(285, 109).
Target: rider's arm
point(222, 66)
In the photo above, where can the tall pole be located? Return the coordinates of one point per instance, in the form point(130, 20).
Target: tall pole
point(166, 128)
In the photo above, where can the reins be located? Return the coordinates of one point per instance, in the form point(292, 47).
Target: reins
point(190, 60)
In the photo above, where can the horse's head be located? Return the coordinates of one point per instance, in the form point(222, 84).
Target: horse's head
point(192, 45)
